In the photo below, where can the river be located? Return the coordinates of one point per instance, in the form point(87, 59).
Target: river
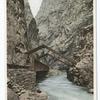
point(60, 88)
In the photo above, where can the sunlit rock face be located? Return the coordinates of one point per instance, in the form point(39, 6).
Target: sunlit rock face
point(67, 27)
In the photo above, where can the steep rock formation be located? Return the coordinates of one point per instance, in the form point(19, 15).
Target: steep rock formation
point(67, 27)
point(21, 31)
point(17, 28)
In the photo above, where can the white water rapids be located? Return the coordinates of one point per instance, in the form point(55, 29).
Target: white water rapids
point(60, 88)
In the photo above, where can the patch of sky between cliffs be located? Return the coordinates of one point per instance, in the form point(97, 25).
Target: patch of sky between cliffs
point(35, 6)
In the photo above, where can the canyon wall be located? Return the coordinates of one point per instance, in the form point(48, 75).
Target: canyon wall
point(21, 31)
point(16, 28)
point(67, 27)
point(21, 81)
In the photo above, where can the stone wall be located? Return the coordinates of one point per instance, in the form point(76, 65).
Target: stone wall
point(25, 79)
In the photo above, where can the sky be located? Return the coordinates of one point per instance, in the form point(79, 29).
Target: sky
point(35, 5)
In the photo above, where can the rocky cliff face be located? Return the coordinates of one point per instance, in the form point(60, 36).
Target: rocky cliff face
point(17, 28)
point(21, 31)
point(67, 27)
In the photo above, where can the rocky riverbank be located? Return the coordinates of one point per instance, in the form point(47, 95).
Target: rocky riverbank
point(26, 95)
point(22, 86)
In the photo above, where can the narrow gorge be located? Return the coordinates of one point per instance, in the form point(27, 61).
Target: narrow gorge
point(67, 27)
point(50, 55)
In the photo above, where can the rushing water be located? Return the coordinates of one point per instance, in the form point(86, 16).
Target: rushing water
point(59, 88)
